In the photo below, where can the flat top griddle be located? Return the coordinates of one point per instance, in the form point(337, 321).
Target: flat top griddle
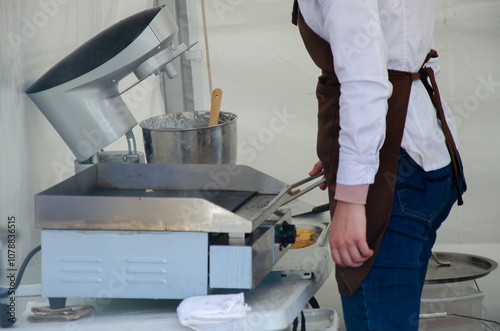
point(229, 200)
point(162, 197)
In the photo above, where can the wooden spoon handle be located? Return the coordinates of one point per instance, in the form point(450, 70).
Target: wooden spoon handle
point(215, 107)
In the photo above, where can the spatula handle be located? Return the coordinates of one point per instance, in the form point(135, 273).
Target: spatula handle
point(215, 107)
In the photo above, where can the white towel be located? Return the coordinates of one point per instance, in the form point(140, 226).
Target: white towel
point(214, 312)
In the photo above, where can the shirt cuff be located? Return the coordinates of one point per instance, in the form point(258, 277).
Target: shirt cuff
point(352, 193)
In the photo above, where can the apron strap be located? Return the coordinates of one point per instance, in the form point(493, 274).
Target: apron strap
point(295, 12)
point(425, 74)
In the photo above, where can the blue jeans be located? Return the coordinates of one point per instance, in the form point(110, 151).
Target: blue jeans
point(389, 298)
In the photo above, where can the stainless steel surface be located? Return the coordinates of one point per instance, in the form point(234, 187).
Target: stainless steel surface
point(124, 264)
point(109, 157)
point(157, 267)
point(241, 266)
point(245, 265)
point(439, 262)
point(80, 96)
point(462, 267)
point(116, 196)
point(156, 65)
point(228, 202)
point(186, 138)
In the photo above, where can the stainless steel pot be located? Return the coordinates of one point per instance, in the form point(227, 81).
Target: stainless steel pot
point(187, 138)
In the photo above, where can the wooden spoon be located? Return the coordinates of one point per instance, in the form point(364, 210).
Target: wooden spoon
point(215, 107)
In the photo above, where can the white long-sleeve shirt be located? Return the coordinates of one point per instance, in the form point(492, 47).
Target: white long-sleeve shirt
point(367, 37)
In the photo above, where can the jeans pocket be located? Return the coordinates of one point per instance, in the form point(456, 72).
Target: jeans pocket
point(423, 194)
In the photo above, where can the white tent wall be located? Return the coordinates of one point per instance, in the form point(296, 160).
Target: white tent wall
point(259, 61)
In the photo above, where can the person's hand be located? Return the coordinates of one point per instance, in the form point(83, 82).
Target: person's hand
point(348, 235)
point(316, 169)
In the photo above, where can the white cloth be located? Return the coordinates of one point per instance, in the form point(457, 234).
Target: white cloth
point(224, 312)
point(367, 37)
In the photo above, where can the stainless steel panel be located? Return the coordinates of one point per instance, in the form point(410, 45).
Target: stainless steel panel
point(242, 266)
point(124, 264)
point(86, 110)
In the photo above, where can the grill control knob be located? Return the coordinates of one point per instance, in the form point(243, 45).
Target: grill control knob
point(284, 233)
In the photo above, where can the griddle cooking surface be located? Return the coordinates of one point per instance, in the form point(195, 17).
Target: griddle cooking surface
point(229, 200)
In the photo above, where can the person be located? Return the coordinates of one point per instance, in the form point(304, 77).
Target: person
point(386, 143)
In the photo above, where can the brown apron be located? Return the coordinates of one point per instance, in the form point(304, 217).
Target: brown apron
point(381, 192)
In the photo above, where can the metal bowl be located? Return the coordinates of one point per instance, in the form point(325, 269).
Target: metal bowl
point(186, 138)
point(458, 267)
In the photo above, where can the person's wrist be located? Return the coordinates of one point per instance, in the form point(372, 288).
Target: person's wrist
point(355, 194)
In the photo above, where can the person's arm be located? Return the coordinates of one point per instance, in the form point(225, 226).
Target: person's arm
point(347, 231)
point(360, 59)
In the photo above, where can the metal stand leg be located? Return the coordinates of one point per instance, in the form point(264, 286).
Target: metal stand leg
point(57, 303)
